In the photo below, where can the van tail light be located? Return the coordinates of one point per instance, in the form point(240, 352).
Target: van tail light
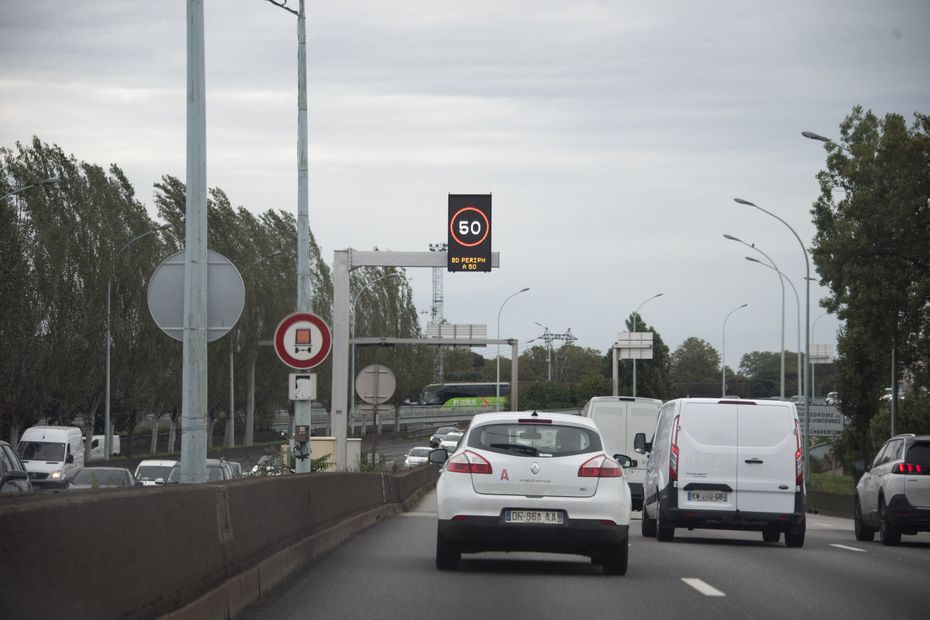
point(600, 467)
point(907, 468)
point(468, 462)
point(673, 453)
point(798, 456)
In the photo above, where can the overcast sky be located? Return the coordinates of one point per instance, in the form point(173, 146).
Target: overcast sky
point(613, 135)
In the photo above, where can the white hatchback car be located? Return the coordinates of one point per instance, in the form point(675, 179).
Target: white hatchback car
point(416, 457)
point(893, 496)
point(532, 481)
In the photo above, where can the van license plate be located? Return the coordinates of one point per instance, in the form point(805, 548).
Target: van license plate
point(545, 517)
point(707, 496)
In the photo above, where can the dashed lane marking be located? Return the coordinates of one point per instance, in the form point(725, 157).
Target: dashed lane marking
point(847, 548)
point(702, 586)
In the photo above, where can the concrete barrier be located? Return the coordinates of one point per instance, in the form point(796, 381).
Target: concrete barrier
point(831, 504)
point(203, 551)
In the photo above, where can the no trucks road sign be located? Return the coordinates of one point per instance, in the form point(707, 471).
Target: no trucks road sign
point(302, 340)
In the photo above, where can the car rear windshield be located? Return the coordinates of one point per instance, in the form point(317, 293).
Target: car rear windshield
point(100, 478)
point(152, 472)
point(535, 440)
point(919, 454)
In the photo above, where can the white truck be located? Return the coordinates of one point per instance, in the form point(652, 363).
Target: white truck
point(50, 453)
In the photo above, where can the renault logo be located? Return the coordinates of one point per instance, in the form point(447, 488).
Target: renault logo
point(534, 468)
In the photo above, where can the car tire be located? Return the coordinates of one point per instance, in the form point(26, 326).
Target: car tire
point(648, 525)
point(664, 533)
point(771, 535)
point(889, 534)
point(864, 533)
point(615, 558)
point(794, 535)
point(448, 554)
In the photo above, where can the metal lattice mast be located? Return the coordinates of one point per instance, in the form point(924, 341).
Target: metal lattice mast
point(436, 316)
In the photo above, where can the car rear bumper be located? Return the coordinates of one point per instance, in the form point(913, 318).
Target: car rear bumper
point(905, 516)
point(727, 519)
point(577, 536)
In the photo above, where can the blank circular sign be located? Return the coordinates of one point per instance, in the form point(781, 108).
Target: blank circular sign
point(375, 384)
point(225, 296)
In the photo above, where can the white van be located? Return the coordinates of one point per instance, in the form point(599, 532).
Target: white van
point(725, 464)
point(619, 419)
point(50, 453)
point(97, 448)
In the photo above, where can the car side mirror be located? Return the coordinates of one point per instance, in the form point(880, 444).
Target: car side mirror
point(624, 461)
point(640, 444)
point(439, 456)
point(69, 458)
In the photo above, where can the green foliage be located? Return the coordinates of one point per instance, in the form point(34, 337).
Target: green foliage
point(872, 250)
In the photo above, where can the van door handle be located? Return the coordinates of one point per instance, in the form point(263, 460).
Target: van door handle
point(754, 461)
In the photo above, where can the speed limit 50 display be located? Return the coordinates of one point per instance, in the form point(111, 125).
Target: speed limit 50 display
point(469, 247)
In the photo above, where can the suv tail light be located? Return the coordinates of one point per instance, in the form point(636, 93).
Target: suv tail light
point(798, 456)
point(907, 468)
point(468, 462)
point(600, 466)
point(673, 453)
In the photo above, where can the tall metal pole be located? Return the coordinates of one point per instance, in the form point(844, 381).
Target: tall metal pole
point(635, 317)
point(194, 380)
point(231, 423)
point(723, 353)
point(807, 334)
point(781, 282)
point(107, 435)
point(497, 402)
point(797, 303)
point(304, 294)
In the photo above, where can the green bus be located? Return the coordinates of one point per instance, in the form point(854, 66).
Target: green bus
point(449, 395)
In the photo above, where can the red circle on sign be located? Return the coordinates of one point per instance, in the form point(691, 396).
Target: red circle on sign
point(281, 348)
point(487, 226)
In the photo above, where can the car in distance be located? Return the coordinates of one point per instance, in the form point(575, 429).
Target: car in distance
point(893, 495)
point(101, 478)
point(416, 457)
point(728, 464)
point(153, 471)
point(532, 481)
point(217, 471)
point(451, 441)
point(13, 475)
point(441, 432)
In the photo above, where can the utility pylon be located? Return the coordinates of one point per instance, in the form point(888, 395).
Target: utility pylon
point(549, 337)
point(436, 308)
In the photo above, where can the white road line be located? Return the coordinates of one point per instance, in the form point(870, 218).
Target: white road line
point(848, 548)
point(703, 587)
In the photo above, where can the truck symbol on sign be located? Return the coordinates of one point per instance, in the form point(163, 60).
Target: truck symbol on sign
point(302, 340)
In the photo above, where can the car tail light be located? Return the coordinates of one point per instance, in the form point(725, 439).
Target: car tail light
point(468, 462)
point(673, 453)
point(907, 468)
point(798, 456)
point(600, 466)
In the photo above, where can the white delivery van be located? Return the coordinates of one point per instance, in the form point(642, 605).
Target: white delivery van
point(619, 418)
point(97, 448)
point(50, 453)
point(725, 464)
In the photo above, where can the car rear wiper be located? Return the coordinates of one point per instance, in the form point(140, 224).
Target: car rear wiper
point(516, 447)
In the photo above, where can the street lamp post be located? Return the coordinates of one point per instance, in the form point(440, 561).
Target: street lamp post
point(813, 367)
point(635, 317)
point(797, 302)
point(19, 190)
point(352, 340)
point(807, 333)
point(752, 246)
point(497, 401)
point(107, 435)
point(723, 353)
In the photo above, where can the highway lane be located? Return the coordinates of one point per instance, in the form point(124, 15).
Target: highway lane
point(388, 572)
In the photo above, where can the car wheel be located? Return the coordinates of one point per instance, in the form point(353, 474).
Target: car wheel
point(615, 558)
point(794, 535)
point(889, 534)
point(448, 554)
point(863, 531)
point(648, 525)
point(663, 531)
point(771, 535)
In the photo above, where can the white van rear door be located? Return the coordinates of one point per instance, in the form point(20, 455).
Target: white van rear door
point(766, 458)
point(707, 456)
point(610, 417)
point(641, 419)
